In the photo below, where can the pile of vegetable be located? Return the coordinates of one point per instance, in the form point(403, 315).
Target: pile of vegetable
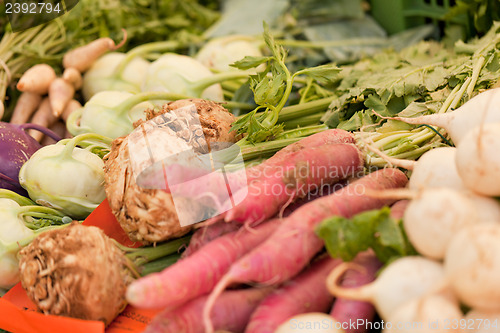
point(269, 180)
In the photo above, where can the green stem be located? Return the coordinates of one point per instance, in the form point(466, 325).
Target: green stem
point(159, 264)
point(27, 210)
point(331, 43)
point(199, 86)
point(140, 256)
point(299, 110)
point(67, 152)
point(304, 121)
point(21, 200)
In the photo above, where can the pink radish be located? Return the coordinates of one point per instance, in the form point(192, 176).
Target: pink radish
point(232, 311)
point(482, 108)
point(305, 293)
point(477, 158)
point(60, 93)
point(37, 79)
point(346, 311)
point(197, 274)
point(472, 266)
point(403, 280)
point(73, 77)
point(301, 172)
point(208, 233)
point(27, 103)
point(290, 248)
point(83, 57)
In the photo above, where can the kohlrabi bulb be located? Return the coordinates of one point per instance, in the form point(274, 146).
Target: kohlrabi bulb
point(72, 183)
point(100, 76)
point(100, 115)
point(221, 52)
point(181, 74)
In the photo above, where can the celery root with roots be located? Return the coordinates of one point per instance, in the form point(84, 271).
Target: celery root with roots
point(148, 215)
point(77, 271)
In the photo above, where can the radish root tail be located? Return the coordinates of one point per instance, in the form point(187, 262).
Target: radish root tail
point(362, 293)
point(212, 298)
point(123, 41)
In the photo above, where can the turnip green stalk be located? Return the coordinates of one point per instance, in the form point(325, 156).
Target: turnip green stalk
point(112, 113)
point(22, 221)
point(66, 177)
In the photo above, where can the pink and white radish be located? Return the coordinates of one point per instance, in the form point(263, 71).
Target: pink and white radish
point(472, 266)
point(478, 158)
point(403, 280)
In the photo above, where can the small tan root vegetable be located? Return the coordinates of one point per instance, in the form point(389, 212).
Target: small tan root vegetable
point(149, 215)
point(60, 93)
point(83, 57)
point(70, 108)
point(84, 278)
point(74, 77)
point(59, 128)
point(43, 117)
point(37, 79)
point(26, 105)
point(2, 109)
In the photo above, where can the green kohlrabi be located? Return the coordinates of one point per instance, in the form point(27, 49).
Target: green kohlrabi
point(219, 53)
point(103, 75)
point(21, 221)
point(66, 177)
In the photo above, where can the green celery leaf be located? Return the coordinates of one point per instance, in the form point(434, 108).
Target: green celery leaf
point(376, 229)
point(323, 74)
point(250, 62)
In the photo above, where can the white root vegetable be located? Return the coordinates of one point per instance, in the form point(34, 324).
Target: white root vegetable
point(436, 168)
point(434, 216)
point(431, 313)
point(60, 93)
point(27, 103)
point(482, 108)
point(478, 158)
point(74, 77)
point(83, 57)
point(476, 321)
point(37, 79)
point(313, 322)
point(472, 266)
point(403, 280)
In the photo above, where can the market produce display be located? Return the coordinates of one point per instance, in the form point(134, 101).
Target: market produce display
point(196, 166)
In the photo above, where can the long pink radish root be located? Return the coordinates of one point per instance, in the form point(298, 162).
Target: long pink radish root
point(301, 172)
point(26, 105)
point(231, 313)
point(305, 293)
point(290, 248)
point(352, 313)
point(37, 79)
point(206, 234)
point(83, 57)
point(198, 274)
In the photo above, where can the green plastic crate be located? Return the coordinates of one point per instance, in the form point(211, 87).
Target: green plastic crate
point(398, 15)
